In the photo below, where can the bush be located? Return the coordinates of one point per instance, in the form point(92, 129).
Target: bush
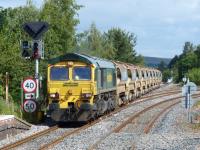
point(166, 75)
point(4, 108)
point(194, 75)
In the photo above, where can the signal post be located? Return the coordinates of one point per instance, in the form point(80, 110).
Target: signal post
point(33, 50)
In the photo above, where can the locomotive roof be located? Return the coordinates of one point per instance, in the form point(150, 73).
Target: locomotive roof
point(98, 62)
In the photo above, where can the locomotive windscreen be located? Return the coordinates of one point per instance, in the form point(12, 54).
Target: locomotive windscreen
point(59, 73)
point(82, 73)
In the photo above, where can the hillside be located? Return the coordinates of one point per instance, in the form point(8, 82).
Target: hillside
point(154, 61)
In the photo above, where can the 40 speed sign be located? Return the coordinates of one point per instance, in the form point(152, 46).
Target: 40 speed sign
point(29, 85)
point(29, 106)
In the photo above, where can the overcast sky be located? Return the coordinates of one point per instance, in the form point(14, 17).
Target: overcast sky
point(161, 27)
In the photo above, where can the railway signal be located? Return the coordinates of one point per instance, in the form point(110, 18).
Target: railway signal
point(33, 50)
point(38, 50)
point(35, 31)
point(25, 49)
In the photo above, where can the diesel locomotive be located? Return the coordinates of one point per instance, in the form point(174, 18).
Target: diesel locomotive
point(82, 87)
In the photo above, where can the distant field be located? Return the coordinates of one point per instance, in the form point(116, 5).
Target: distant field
point(155, 61)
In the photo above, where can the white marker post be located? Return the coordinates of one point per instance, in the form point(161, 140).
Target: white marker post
point(37, 77)
point(189, 89)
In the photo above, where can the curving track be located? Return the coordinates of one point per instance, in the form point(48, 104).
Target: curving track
point(144, 126)
point(73, 132)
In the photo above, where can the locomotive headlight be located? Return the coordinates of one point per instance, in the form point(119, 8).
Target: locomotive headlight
point(86, 95)
point(70, 63)
point(54, 95)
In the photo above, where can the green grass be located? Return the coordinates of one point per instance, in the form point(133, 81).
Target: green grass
point(9, 109)
point(4, 108)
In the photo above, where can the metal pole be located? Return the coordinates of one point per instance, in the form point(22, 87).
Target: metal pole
point(189, 100)
point(7, 87)
point(37, 77)
point(22, 99)
point(188, 104)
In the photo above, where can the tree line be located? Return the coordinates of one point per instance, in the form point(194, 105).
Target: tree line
point(62, 37)
point(187, 64)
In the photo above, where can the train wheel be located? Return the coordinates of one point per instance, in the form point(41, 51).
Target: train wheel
point(119, 101)
point(130, 97)
point(102, 106)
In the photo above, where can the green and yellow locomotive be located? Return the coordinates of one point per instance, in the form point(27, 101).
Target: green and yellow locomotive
point(82, 87)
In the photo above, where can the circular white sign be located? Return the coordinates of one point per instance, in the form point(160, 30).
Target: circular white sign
point(29, 106)
point(29, 85)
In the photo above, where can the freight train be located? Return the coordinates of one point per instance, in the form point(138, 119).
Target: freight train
point(82, 87)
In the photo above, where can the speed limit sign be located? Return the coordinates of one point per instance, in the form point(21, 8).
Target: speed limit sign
point(29, 85)
point(29, 106)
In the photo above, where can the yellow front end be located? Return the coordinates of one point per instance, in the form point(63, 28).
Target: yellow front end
point(70, 86)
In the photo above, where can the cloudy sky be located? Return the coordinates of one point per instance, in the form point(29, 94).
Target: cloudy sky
point(161, 27)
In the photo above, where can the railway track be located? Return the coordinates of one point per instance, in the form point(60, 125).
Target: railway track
point(29, 138)
point(146, 129)
point(58, 140)
point(76, 131)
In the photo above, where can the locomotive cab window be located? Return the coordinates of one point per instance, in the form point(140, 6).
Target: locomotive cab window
point(59, 73)
point(82, 73)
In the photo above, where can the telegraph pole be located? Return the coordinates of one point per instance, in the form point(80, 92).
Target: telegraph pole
point(7, 87)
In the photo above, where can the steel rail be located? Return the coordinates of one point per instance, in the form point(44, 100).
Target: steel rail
point(28, 139)
point(165, 110)
point(42, 133)
point(58, 140)
point(130, 119)
point(22, 121)
point(149, 126)
point(163, 93)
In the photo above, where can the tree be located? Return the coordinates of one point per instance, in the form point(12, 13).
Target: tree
point(124, 44)
point(91, 42)
point(173, 62)
point(95, 43)
point(11, 34)
point(194, 75)
point(187, 60)
point(166, 74)
point(197, 52)
point(139, 60)
point(188, 47)
point(186, 63)
point(61, 15)
point(162, 66)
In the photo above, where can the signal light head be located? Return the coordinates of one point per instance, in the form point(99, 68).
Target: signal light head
point(36, 50)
